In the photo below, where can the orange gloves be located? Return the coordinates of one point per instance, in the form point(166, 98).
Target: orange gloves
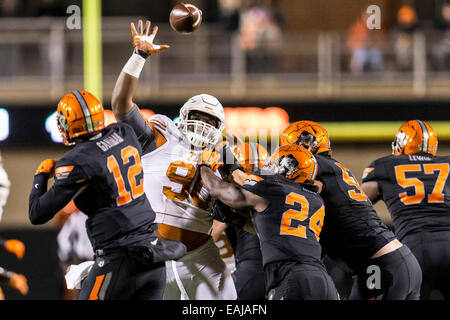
point(18, 282)
point(16, 247)
point(46, 166)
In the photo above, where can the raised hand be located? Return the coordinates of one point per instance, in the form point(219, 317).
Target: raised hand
point(143, 41)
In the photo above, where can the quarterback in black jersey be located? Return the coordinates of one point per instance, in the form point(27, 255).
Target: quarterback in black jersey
point(287, 214)
point(352, 230)
point(102, 173)
point(414, 184)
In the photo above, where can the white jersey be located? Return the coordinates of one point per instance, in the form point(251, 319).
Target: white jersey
point(73, 241)
point(5, 185)
point(169, 174)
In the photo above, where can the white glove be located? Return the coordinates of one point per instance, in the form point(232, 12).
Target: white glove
point(76, 273)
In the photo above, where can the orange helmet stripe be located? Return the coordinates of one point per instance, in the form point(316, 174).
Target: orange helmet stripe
point(86, 112)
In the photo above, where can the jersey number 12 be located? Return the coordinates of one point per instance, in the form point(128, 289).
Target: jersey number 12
point(137, 189)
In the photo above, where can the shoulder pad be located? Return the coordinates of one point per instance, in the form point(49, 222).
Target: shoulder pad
point(161, 122)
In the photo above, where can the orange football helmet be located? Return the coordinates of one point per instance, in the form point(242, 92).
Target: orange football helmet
point(251, 155)
point(415, 136)
point(79, 115)
point(294, 162)
point(307, 133)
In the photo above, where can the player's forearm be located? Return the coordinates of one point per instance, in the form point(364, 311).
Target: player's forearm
point(122, 96)
point(371, 190)
point(125, 88)
point(43, 204)
point(224, 191)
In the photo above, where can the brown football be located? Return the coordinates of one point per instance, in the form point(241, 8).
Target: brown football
point(185, 18)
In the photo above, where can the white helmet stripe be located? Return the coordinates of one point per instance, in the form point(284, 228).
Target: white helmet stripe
point(314, 173)
point(85, 108)
point(425, 136)
point(255, 155)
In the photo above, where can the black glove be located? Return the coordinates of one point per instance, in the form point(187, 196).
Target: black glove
point(230, 163)
point(223, 213)
point(159, 250)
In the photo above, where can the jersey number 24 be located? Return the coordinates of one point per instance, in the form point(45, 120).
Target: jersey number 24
point(315, 221)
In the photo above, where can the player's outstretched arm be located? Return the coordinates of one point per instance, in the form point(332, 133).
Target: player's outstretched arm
point(229, 193)
point(122, 96)
point(43, 204)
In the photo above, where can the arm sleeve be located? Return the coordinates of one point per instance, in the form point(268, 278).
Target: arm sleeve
point(70, 180)
point(263, 188)
point(141, 127)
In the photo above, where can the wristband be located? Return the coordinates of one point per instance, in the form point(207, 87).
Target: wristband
point(134, 65)
point(141, 53)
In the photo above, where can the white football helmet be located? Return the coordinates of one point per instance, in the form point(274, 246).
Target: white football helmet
point(199, 133)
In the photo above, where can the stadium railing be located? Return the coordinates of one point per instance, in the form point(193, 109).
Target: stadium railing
point(41, 58)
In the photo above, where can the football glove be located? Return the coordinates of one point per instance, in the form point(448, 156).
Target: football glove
point(228, 162)
point(16, 247)
point(18, 282)
point(143, 42)
point(47, 166)
point(209, 158)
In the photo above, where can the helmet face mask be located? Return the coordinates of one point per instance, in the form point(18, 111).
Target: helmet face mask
point(197, 129)
point(307, 140)
point(63, 128)
point(286, 165)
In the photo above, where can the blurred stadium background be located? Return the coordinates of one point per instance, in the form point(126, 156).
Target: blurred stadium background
point(270, 62)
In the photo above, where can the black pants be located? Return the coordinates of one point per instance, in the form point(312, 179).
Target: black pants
point(393, 276)
point(119, 276)
point(299, 281)
point(249, 280)
point(432, 250)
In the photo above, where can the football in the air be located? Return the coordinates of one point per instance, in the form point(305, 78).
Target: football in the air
point(185, 18)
